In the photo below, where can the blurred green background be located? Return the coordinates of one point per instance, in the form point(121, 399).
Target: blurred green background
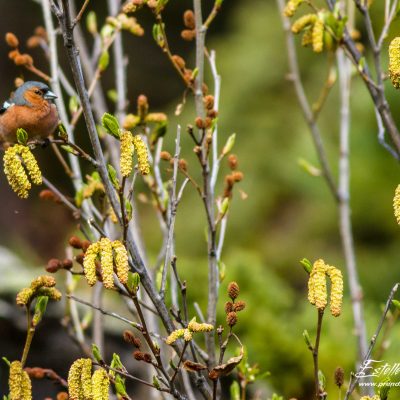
point(288, 214)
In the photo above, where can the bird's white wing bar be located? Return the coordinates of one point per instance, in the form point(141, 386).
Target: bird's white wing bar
point(5, 106)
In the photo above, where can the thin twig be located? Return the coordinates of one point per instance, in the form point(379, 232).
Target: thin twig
point(355, 377)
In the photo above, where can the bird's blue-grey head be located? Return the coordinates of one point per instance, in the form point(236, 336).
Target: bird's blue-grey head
point(39, 88)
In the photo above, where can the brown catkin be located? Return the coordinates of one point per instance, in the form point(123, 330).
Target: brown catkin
point(12, 40)
point(233, 290)
point(231, 318)
point(189, 20)
point(339, 376)
point(188, 34)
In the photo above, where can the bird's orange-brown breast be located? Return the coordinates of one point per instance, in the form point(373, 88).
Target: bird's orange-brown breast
point(39, 120)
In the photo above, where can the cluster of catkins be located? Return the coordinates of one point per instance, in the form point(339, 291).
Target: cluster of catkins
point(234, 306)
point(312, 26)
point(317, 291)
point(82, 385)
point(19, 162)
point(187, 333)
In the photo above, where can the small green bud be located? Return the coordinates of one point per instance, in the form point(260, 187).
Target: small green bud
point(235, 391)
point(73, 104)
point(104, 60)
point(69, 149)
point(112, 173)
point(156, 383)
point(133, 282)
point(62, 132)
point(40, 309)
point(91, 22)
point(120, 386)
point(306, 265)
point(396, 303)
point(96, 353)
point(22, 136)
point(229, 144)
point(307, 339)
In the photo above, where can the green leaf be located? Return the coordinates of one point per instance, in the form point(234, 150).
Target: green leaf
point(120, 385)
point(96, 353)
point(221, 270)
point(361, 64)
point(322, 381)
point(133, 282)
point(22, 136)
point(384, 391)
point(309, 168)
point(40, 309)
point(69, 149)
point(159, 131)
point(104, 60)
point(307, 339)
point(106, 31)
point(62, 132)
point(73, 104)
point(91, 22)
point(112, 95)
point(396, 303)
point(6, 360)
point(306, 265)
point(111, 125)
point(79, 198)
point(235, 391)
point(157, 35)
point(112, 173)
point(156, 383)
point(128, 209)
point(229, 144)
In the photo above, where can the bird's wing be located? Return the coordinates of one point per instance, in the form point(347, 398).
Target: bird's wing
point(5, 106)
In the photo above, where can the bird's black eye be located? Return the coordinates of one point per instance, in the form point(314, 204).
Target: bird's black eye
point(37, 91)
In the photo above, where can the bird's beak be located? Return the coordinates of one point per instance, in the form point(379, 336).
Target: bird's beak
point(49, 95)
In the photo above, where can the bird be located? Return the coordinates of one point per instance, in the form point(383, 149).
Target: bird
point(32, 108)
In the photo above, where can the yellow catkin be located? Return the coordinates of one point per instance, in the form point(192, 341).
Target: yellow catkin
point(394, 62)
point(100, 385)
point(19, 383)
point(41, 286)
point(318, 36)
point(89, 263)
point(197, 327)
point(336, 298)
point(31, 165)
point(80, 380)
point(107, 263)
point(187, 335)
point(43, 280)
point(174, 336)
point(127, 150)
point(24, 296)
point(86, 378)
point(15, 172)
point(317, 293)
point(142, 155)
point(307, 38)
point(51, 293)
point(396, 204)
point(291, 7)
point(303, 22)
point(121, 261)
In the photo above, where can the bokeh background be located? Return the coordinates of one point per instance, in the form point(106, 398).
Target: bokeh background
point(287, 215)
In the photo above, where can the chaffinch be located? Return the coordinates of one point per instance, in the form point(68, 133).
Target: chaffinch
point(30, 107)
